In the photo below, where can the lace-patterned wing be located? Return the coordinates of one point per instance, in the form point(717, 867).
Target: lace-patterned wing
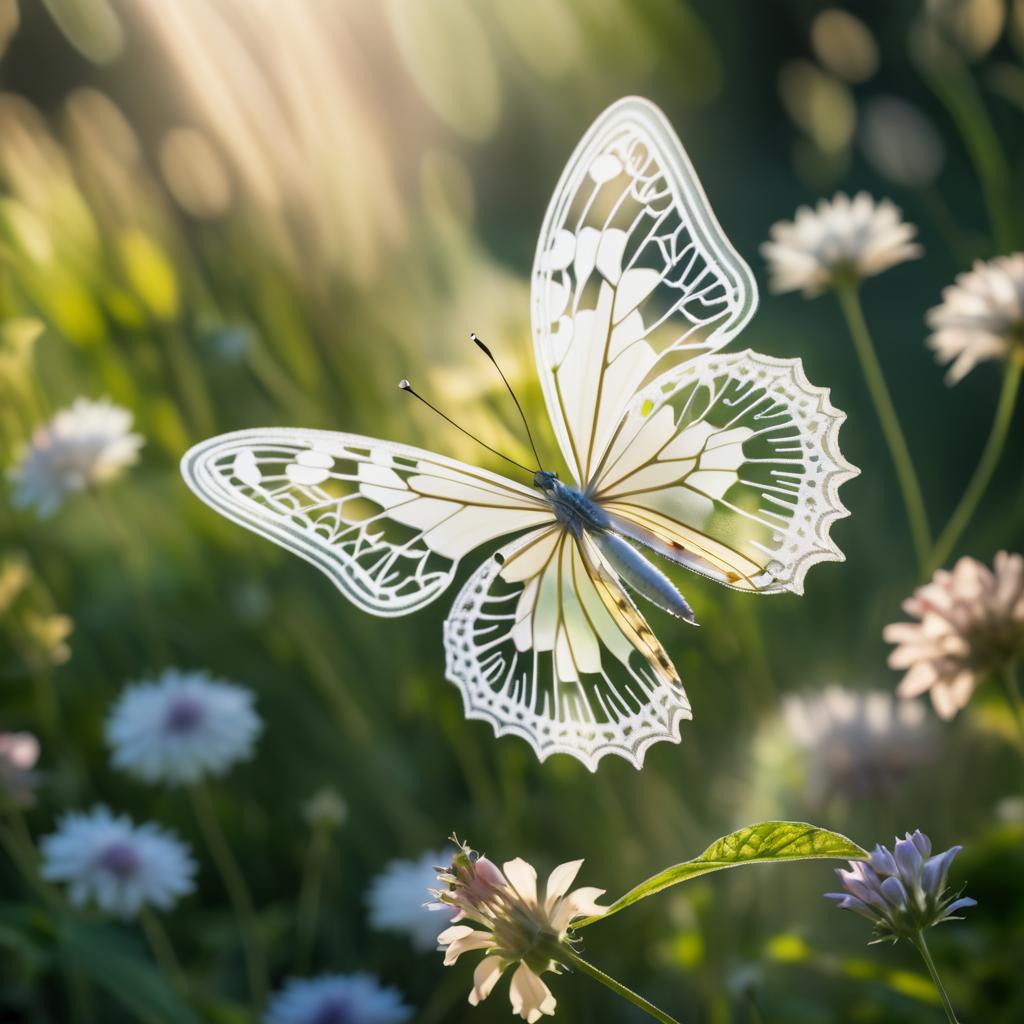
point(632, 275)
point(545, 644)
point(731, 465)
point(387, 523)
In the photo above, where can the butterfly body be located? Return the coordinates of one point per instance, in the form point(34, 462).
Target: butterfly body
point(726, 463)
point(572, 507)
point(577, 512)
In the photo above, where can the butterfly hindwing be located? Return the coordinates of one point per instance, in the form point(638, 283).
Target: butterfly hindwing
point(632, 274)
point(730, 464)
point(388, 523)
point(544, 643)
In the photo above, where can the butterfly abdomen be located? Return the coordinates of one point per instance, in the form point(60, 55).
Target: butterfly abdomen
point(646, 579)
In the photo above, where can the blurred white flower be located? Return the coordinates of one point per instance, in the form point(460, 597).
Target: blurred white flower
point(981, 316)
point(85, 445)
point(182, 727)
point(397, 896)
point(842, 240)
point(860, 744)
point(121, 866)
point(337, 999)
point(520, 926)
point(970, 625)
point(19, 752)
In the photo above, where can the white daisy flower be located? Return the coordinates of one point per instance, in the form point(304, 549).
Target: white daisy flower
point(397, 896)
point(519, 925)
point(970, 624)
point(860, 744)
point(337, 999)
point(182, 727)
point(83, 446)
point(981, 316)
point(842, 240)
point(120, 866)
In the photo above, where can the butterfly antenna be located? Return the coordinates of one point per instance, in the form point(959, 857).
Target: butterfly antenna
point(487, 352)
point(408, 388)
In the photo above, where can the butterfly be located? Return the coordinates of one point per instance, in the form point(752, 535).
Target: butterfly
point(725, 463)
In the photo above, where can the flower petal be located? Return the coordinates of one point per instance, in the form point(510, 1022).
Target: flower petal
point(450, 935)
point(530, 997)
point(559, 881)
point(485, 977)
point(523, 878)
point(476, 939)
point(580, 903)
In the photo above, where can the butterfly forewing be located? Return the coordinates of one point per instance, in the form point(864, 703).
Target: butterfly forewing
point(545, 644)
point(732, 463)
point(632, 274)
point(388, 523)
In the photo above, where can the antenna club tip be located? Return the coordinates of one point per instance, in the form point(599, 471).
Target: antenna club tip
point(404, 384)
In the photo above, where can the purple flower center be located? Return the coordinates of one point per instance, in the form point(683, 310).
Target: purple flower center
point(184, 714)
point(333, 1010)
point(121, 859)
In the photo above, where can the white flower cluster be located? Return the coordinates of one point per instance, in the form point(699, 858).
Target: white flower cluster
point(83, 446)
point(841, 240)
point(182, 727)
point(337, 999)
point(120, 866)
point(397, 898)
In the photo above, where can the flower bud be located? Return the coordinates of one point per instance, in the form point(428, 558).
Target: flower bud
point(901, 891)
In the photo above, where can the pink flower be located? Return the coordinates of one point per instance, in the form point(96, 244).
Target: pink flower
point(519, 926)
point(970, 624)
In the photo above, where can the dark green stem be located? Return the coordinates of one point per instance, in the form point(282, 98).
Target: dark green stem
point(917, 516)
point(309, 896)
point(926, 956)
point(983, 473)
point(567, 956)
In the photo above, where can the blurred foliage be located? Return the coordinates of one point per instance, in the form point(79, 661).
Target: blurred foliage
point(242, 213)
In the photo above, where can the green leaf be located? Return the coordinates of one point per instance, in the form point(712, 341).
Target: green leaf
point(767, 843)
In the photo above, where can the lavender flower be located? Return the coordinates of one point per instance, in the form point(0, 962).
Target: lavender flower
point(901, 892)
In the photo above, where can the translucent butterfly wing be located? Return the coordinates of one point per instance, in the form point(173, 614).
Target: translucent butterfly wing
point(731, 465)
point(632, 275)
point(388, 523)
point(545, 644)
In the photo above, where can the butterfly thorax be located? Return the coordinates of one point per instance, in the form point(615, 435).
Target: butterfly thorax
point(572, 507)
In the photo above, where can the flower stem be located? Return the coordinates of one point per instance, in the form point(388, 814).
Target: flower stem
point(926, 956)
point(237, 890)
point(567, 955)
point(949, 77)
point(917, 517)
point(163, 950)
point(309, 896)
point(986, 466)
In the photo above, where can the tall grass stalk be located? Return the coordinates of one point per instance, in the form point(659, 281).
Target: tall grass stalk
point(237, 890)
point(903, 463)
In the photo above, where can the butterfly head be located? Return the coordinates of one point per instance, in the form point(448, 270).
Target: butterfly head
point(546, 481)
